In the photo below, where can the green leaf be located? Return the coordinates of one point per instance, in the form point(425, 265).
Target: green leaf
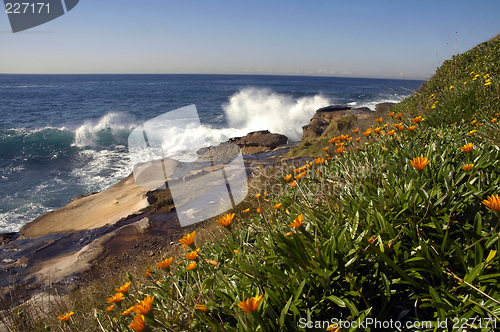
point(337, 301)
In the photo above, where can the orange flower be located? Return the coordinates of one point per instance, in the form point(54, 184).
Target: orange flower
point(493, 202)
point(376, 130)
point(390, 133)
point(201, 308)
point(191, 266)
point(334, 328)
point(128, 311)
point(123, 288)
point(110, 308)
point(214, 263)
point(412, 128)
point(117, 298)
point(257, 196)
point(340, 150)
point(235, 251)
point(468, 167)
point(188, 239)
point(494, 120)
point(391, 114)
point(367, 132)
point(226, 219)
point(192, 255)
point(297, 222)
point(319, 160)
point(467, 147)
point(288, 234)
point(288, 177)
point(144, 307)
point(326, 148)
point(417, 119)
point(293, 183)
point(259, 210)
point(251, 304)
point(419, 163)
point(65, 317)
point(399, 115)
point(138, 324)
point(148, 273)
point(277, 206)
point(357, 139)
point(355, 130)
point(378, 120)
point(246, 210)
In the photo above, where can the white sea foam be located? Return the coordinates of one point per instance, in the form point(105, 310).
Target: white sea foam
point(91, 132)
point(254, 109)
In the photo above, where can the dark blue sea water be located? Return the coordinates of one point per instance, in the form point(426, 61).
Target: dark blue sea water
point(65, 135)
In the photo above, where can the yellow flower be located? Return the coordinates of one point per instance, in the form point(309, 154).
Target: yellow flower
point(247, 210)
point(471, 73)
point(257, 196)
point(65, 317)
point(378, 120)
point(487, 83)
point(191, 266)
point(493, 202)
point(110, 308)
point(293, 183)
point(391, 114)
point(452, 87)
point(144, 307)
point(123, 288)
point(419, 163)
point(297, 222)
point(412, 128)
point(277, 206)
point(494, 120)
point(192, 255)
point(201, 308)
point(399, 115)
point(467, 167)
point(390, 133)
point(288, 177)
point(251, 304)
point(138, 324)
point(473, 121)
point(117, 298)
point(471, 132)
point(188, 239)
point(226, 219)
point(465, 82)
point(491, 255)
point(467, 147)
point(486, 76)
point(288, 234)
point(355, 130)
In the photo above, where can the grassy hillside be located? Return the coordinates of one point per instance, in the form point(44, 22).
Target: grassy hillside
point(399, 228)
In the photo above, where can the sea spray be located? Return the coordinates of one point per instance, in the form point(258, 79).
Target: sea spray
point(254, 109)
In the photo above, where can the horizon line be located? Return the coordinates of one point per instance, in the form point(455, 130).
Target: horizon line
point(227, 74)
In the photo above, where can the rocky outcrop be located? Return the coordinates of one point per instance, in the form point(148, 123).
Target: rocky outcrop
point(259, 141)
point(324, 117)
point(384, 108)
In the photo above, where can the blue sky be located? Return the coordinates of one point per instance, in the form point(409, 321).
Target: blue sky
point(405, 39)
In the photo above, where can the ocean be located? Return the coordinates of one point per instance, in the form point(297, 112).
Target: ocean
point(66, 135)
